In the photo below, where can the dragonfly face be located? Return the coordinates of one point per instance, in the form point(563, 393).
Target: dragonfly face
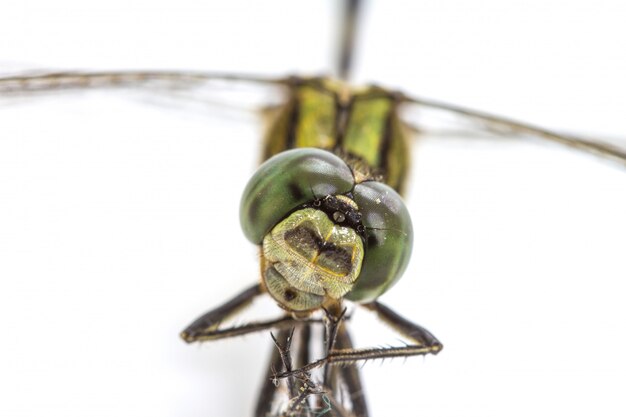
point(317, 250)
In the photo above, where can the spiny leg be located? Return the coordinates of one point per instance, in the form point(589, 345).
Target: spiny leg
point(313, 399)
point(206, 326)
point(310, 399)
point(283, 346)
point(321, 399)
point(327, 400)
point(268, 402)
point(253, 327)
point(209, 321)
point(302, 357)
point(345, 396)
point(288, 343)
point(267, 397)
point(301, 387)
point(303, 354)
point(423, 343)
point(405, 327)
point(332, 323)
point(348, 377)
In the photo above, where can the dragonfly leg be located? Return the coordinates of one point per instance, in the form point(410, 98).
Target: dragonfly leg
point(333, 323)
point(300, 387)
point(267, 396)
point(206, 327)
point(268, 403)
point(346, 381)
point(283, 347)
point(306, 397)
point(423, 343)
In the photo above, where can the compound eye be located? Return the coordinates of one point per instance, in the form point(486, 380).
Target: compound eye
point(388, 239)
point(286, 181)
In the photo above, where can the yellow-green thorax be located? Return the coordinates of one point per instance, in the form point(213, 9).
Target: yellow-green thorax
point(360, 125)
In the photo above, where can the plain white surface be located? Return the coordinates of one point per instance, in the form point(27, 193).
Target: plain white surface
point(119, 217)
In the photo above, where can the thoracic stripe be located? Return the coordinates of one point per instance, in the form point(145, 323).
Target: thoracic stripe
point(360, 125)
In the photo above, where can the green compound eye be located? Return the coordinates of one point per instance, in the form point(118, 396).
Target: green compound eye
point(389, 240)
point(287, 181)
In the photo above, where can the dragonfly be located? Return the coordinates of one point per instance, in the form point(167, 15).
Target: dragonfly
point(203, 304)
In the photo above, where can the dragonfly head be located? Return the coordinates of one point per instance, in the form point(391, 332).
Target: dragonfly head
point(324, 236)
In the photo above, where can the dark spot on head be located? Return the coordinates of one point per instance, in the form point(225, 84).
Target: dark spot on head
point(290, 295)
point(302, 239)
point(335, 258)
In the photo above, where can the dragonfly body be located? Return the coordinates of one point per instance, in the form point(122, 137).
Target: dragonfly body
point(331, 226)
point(453, 226)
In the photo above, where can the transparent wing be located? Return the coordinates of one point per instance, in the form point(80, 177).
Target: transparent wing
point(438, 118)
point(185, 87)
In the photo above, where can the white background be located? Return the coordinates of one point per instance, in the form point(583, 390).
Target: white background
point(119, 217)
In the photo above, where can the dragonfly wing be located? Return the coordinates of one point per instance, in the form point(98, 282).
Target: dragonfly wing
point(430, 116)
point(223, 89)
